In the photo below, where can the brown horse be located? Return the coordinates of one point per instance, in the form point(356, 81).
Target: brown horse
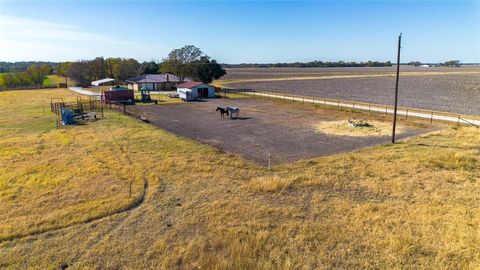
point(223, 111)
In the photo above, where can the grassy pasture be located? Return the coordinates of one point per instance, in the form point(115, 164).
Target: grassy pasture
point(53, 81)
point(53, 178)
point(405, 206)
point(48, 81)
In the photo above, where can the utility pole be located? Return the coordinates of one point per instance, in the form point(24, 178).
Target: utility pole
point(396, 88)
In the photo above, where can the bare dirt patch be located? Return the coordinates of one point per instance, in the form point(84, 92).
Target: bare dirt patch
point(357, 128)
point(285, 130)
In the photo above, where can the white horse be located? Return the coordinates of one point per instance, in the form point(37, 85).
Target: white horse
point(233, 110)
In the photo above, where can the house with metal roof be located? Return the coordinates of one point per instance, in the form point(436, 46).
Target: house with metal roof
point(154, 82)
point(194, 90)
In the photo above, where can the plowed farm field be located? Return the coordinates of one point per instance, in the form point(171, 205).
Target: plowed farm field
point(450, 90)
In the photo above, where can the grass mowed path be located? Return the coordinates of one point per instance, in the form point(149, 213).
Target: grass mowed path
point(409, 205)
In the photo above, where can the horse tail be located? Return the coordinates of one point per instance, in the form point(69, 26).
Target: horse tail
point(227, 112)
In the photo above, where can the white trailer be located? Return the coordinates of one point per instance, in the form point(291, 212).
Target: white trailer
point(186, 94)
point(195, 90)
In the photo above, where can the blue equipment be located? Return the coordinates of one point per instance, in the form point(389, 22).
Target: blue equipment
point(67, 116)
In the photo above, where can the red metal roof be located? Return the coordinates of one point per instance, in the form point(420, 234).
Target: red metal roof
point(189, 84)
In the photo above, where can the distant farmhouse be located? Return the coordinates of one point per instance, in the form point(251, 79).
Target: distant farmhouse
point(154, 82)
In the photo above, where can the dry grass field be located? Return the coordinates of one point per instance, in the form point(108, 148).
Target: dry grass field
point(412, 205)
point(54, 178)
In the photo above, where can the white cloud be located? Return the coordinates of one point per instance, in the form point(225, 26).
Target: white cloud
point(27, 39)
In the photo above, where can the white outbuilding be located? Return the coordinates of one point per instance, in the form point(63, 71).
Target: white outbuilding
point(195, 90)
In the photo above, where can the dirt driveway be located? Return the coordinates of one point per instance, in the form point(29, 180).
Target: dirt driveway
point(286, 130)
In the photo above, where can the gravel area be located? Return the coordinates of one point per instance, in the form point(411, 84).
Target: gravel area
point(286, 130)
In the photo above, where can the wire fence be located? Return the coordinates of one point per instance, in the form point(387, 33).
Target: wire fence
point(82, 109)
point(363, 106)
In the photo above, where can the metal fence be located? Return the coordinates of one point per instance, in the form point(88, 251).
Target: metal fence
point(82, 108)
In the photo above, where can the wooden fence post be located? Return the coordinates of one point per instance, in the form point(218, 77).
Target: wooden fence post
point(130, 189)
point(269, 160)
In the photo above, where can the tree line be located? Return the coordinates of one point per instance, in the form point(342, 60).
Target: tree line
point(311, 64)
point(85, 71)
point(450, 63)
point(32, 76)
point(186, 62)
point(22, 66)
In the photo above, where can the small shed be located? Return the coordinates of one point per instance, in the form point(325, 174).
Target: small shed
point(119, 94)
point(106, 81)
point(195, 90)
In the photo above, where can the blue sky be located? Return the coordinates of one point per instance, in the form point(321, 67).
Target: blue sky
point(241, 31)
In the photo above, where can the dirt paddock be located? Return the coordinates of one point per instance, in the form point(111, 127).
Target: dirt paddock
point(285, 130)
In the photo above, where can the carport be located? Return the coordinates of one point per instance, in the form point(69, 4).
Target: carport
point(106, 81)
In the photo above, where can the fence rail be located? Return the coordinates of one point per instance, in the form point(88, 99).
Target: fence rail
point(30, 87)
point(370, 107)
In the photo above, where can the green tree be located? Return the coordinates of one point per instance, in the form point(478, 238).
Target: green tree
point(414, 63)
point(128, 68)
point(121, 69)
point(113, 67)
point(186, 54)
point(451, 63)
point(189, 61)
point(98, 68)
point(80, 73)
point(149, 68)
point(36, 74)
point(206, 70)
point(62, 69)
point(179, 61)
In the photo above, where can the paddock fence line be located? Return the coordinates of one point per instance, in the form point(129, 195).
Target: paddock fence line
point(29, 87)
point(85, 109)
point(402, 112)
